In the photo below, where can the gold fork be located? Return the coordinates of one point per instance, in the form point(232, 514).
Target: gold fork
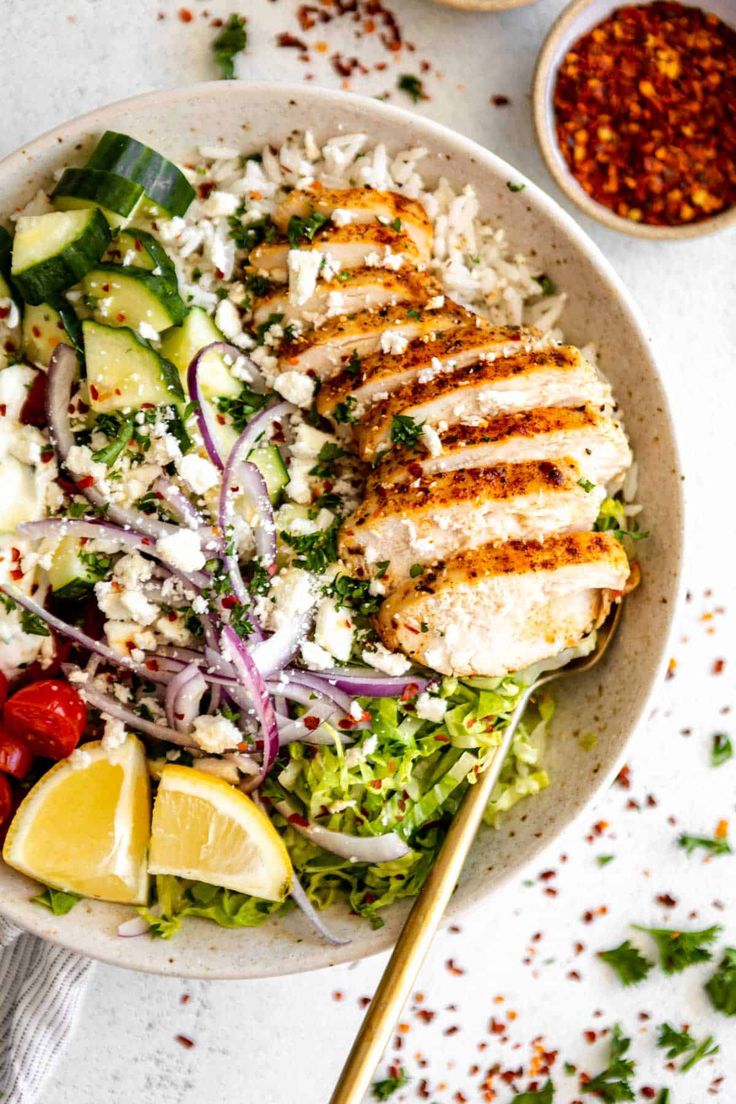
point(422, 922)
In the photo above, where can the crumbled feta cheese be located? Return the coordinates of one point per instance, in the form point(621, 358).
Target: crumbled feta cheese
point(80, 461)
point(342, 217)
point(296, 387)
point(126, 637)
point(216, 734)
point(181, 550)
point(219, 204)
point(138, 608)
point(335, 303)
point(147, 332)
point(430, 708)
point(393, 342)
point(431, 440)
point(315, 657)
point(391, 663)
point(115, 733)
point(79, 759)
point(304, 266)
point(227, 319)
point(132, 569)
point(334, 629)
point(199, 473)
point(199, 604)
point(291, 591)
point(298, 488)
point(174, 630)
point(308, 442)
point(437, 302)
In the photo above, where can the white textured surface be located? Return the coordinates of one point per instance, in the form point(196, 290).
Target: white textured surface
point(280, 1041)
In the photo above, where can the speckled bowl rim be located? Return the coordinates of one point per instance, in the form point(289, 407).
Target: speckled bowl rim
point(312, 954)
point(543, 116)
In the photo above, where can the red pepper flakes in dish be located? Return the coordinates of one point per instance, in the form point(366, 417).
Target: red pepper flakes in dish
point(645, 107)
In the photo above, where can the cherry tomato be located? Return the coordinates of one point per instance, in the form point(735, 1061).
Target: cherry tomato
point(49, 716)
point(3, 688)
point(33, 411)
point(7, 804)
point(15, 755)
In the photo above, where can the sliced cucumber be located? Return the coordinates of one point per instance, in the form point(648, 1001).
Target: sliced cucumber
point(6, 249)
point(116, 197)
point(125, 373)
point(270, 464)
point(52, 252)
point(73, 572)
point(43, 330)
point(181, 345)
point(138, 248)
point(164, 184)
point(131, 297)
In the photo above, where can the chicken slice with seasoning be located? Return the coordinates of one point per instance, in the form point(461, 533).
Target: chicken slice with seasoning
point(353, 290)
point(342, 341)
point(358, 206)
point(369, 244)
point(378, 375)
point(558, 376)
point(497, 609)
point(422, 521)
point(594, 440)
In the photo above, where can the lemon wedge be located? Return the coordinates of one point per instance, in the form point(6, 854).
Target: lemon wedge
point(205, 829)
point(84, 826)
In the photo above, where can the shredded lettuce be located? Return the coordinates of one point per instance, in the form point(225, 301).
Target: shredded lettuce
point(177, 898)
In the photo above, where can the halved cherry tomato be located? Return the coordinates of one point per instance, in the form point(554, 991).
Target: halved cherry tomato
point(49, 716)
point(7, 803)
point(15, 755)
point(3, 688)
point(33, 411)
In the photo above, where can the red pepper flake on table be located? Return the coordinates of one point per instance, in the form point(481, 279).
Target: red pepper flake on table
point(645, 107)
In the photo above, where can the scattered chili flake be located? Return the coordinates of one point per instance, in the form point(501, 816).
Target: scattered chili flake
point(289, 41)
point(500, 101)
point(644, 106)
point(186, 17)
point(454, 968)
point(185, 1041)
point(718, 666)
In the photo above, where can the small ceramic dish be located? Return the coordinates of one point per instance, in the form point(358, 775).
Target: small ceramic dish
point(610, 701)
point(576, 20)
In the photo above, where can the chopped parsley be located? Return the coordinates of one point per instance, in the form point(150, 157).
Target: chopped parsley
point(586, 485)
point(32, 624)
point(386, 1088)
point(674, 1043)
point(405, 431)
point(721, 987)
point(262, 330)
point(413, 86)
point(680, 949)
point(414, 313)
point(344, 412)
point(242, 407)
point(109, 454)
point(604, 860)
point(613, 1084)
point(231, 41)
point(98, 564)
point(713, 844)
point(382, 568)
point(663, 1097)
point(721, 749)
point(57, 901)
point(611, 519)
point(247, 236)
point(628, 962)
point(355, 364)
point(515, 187)
point(545, 1095)
point(547, 285)
point(355, 593)
point(303, 229)
point(315, 551)
point(260, 579)
point(326, 457)
point(417, 569)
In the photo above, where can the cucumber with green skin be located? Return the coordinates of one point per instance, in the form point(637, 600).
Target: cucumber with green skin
point(270, 464)
point(124, 373)
point(73, 573)
point(164, 184)
point(124, 295)
point(181, 344)
point(53, 252)
point(46, 325)
point(116, 197)
point(145, 252)
point(6, 249)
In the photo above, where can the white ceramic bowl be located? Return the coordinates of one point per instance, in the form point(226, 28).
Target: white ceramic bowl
point(577, 19)
point(610, 701)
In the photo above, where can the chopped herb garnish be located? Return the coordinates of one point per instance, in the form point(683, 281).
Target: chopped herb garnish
point(721, 750)
point(413, 86)
point(414, 313)
point(355, 593)
point(260, 580)
point(315, 550)
point(262, 330)
point(612, 519)
point(109, 454)
point(628, 962)
point(663, 1097)
point(586, 485)
point(547, 285)
point(613, 1084)
point(604, 860)
point(32, 624)
point(382, 568)
point(405, 431)
point(231, 41)
point(674, 1043)
point(98, 564)
point(515, 187)
point(721, 987)
point(247, 236)
point(355, 364)
point(545, 1095)
point(416, 570)
point(344, 412)
point(57, 901)
point(713, 844)
point(326, 457)
point(384, 1089)
point(303, 229)
point(242, 407)
point(680, 949)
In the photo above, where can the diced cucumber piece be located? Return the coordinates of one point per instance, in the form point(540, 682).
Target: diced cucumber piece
point(52, 252)
point(73, 572)
point(164, 184)
point(6, 249)
point(181, 345)
point(123, 372)
point(139, 248)
point(43, 330)
point(22, 494)
point(133, 297)
point(270, 464)
point(116, 197)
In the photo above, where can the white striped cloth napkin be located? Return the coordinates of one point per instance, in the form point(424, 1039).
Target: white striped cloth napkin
point(40, 989)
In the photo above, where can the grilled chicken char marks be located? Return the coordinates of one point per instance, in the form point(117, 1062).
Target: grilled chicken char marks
point(362, 205)
point(556, 376)
point(324, 351)
point(422, 521)
point(349, 246)
point(499, 608)
point(594, 440)
point(423, 358)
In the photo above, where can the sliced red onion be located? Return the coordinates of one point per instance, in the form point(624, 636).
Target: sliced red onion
point(273, 653)
point(106, 703)
point(319, 684)
point(362, 684)
point(370, 849)
point(257, 428)
point(206, 414)
point(252, 682)
point(311, 913)
point(183, 697)
point(129, 929)
point(290, 731)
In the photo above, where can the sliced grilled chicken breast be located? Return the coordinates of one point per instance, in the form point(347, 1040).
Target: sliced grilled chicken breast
point(497, 609)
point(326, 350)
point(558, 376)
point(379, 375)
point(423, 521)
point(355, 290)
point(368, 244)
point(594, 440)
point(357, 206)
